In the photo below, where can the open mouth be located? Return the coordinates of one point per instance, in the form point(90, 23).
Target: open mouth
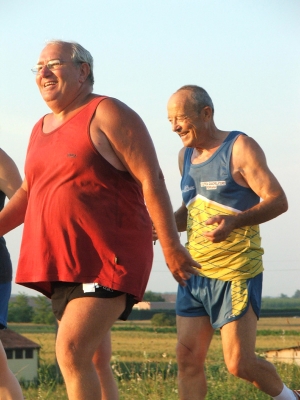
point(48, 84)
point(182, 134)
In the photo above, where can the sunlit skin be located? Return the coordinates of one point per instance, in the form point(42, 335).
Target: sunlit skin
point(10, 181)
point(121, 137)
point(196, 129)
point(62, 89)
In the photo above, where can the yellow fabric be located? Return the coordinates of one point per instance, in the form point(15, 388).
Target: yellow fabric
point(239, 296)
point(237, 258)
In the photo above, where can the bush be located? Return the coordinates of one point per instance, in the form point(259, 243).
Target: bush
point(19, 309)
point(163, 319)
point(42, 313)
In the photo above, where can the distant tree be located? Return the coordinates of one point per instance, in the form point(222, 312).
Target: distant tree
point(151, 296)
point(163, 319)
point(19, 309)
point(42, 312)
point(296, 294)
point(284, 296)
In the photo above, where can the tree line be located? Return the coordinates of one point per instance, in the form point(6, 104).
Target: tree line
point(38, 310)
point(20, 310)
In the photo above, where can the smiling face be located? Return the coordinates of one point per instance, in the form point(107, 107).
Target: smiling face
point(60, 86)
point(186, 120)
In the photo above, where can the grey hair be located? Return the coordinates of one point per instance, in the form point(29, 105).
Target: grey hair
point(199, 97)
point(78, 55)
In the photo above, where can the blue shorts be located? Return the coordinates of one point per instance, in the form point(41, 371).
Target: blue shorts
point(5, 290)
point(222, 301)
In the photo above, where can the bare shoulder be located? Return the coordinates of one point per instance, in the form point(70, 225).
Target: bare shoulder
point(4, 157)
point(113, 112)
point(10, 179)
point(121, 137)
point(6, 162)
point(246, 143)
point(246, 150)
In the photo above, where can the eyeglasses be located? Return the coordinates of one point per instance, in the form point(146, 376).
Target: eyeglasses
point(52, 65)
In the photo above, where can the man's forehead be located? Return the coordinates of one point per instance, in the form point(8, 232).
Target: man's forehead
point(55, 50)
point(179, 100)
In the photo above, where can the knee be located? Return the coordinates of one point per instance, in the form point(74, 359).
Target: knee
point(241, 368)
point(65, 354)
point(101, 360)
point(187, 358)
point(69, 356)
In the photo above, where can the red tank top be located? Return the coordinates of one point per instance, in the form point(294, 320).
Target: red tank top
point(86, 221)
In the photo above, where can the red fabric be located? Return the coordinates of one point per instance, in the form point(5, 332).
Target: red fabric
point(86, 221)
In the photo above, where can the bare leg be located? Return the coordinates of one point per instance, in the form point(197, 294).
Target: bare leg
point(238, 339)
point(84, 325)
point(101, 360)
point(9, 385)
point(194, 337)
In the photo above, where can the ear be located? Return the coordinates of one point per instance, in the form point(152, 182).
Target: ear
point(207, 113)
point(84, 72)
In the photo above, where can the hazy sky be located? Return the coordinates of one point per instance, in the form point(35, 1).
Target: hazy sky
point(244, 53)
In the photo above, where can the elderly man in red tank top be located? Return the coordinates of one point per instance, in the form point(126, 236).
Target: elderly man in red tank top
point(91, 170)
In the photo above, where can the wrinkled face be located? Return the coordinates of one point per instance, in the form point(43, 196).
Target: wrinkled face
point(62, 83)
point(185, 120)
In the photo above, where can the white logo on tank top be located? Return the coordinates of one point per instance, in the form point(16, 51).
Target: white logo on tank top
point(212, 185)
point(187, 188)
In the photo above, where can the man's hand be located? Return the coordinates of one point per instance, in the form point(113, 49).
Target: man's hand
point(225, 227)
point(181, 264)
point(154, 234)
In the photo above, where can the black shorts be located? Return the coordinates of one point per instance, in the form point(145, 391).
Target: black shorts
point(64, 292)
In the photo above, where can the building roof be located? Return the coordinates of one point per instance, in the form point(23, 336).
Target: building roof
point(13, 340)
point(295, 348)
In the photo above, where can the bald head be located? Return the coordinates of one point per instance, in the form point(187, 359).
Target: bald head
point(197, 97)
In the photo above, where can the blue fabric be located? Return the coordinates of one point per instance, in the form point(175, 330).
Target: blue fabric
point(5, 290)
point(212, 297)
point(199, 179)
point(5, 263)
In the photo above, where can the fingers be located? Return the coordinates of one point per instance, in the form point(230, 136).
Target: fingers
point(212, 220)
point(194, 265)
point(185, 273)
point(154, 234)
point(181, 280)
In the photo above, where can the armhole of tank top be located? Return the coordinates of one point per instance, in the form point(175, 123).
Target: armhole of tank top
point(100, 99)
point(230, 157)
point(185, 159)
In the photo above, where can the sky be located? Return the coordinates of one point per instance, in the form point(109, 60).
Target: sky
point(244, 53)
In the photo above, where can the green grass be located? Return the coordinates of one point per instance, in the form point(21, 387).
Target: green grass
point(145, 366)
point(31, 328)
point(157, 381)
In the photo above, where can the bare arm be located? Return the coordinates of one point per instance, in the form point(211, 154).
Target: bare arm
point(133, 146)
point(13, 213)
point(181, 213)
point(10, 179)
point(181, 218)
point(249, 168)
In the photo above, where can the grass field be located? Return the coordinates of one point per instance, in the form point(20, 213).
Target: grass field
point(145, 365)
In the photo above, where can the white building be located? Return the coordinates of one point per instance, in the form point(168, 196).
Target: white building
point(289, 355)
point(22, 354)
point(154, 305)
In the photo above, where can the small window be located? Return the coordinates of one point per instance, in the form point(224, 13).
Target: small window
point(9, 354)
point(29, 353)
point(19, 353)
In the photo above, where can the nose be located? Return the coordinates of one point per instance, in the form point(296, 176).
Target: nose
point(175, 126)
point(45, 71)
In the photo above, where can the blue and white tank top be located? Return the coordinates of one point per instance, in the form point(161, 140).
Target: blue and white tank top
point(208, 189)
